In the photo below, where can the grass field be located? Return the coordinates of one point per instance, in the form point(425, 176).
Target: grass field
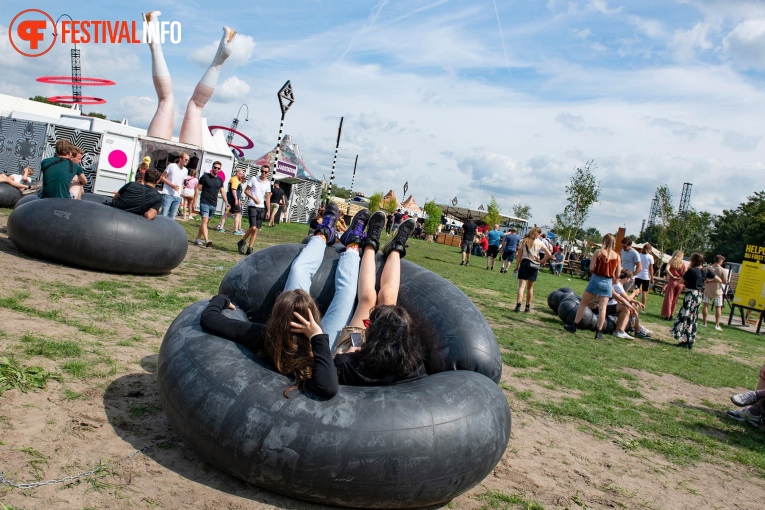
point(95, 328)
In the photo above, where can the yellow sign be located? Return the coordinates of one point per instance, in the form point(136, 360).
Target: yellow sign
point(750, 289)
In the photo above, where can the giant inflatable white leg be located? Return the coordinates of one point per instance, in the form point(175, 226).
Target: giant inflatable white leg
point(191, 129)
point(161, 125)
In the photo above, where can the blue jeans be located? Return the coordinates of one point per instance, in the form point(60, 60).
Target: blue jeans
point(340, 309)
point(207, 211)
point(170, 205)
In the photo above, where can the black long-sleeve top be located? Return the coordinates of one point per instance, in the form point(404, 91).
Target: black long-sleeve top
point(327, 374)
point(323, 381)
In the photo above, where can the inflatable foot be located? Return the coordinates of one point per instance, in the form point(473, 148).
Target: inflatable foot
point(151, 16)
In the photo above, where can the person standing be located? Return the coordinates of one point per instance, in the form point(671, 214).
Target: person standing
point(172, 178)
point(189, 193)
point(277, 201)
point(210, 184)
point(644, 279)
point(494, 237)
point(468, 236)
point(630, 261)
point(234, 197)
point(509, 245)
point(673, 288)
point(685, 324)
point(397, 218)
point(388, 223)
point(528, 265)
point(59, 171)
point(713, 292)
point(258, 190)
point(605, 273)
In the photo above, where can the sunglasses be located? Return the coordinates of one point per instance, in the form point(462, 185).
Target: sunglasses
point(216, 168)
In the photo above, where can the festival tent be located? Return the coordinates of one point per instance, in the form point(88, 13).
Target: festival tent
point(290, 153)
point(390, 196)
point(410, 205)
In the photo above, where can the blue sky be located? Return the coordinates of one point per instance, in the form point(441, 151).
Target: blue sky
point(466, 99)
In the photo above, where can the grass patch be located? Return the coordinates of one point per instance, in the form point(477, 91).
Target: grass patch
point(15, 376)
point(48, 348)
point(498, 499)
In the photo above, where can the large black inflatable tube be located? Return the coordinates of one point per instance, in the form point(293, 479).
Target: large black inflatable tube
point(462, 339)
point(403, 446)
point(89, 235)
point(9, 195)
point(87, 197)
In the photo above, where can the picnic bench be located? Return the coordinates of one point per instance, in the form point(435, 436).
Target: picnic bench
point(574, 268)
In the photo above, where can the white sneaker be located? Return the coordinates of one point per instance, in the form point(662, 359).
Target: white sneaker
point(622, 334)
point(718, 328)
point(703, 325)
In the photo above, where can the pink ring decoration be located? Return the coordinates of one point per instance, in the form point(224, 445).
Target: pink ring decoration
point(67, 80)
point(249, 145)
point(71, 100)
point(239, 152)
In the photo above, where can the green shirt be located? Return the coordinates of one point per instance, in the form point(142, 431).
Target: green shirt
point(57, 176)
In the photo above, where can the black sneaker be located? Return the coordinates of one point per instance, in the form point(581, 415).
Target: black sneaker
point(398, 243)
point(517, 308)
point(598, 335)
point(249, 251)
point(375, 227)
point(327, 227)
point(356, 229)
point(240, 246)
point(462, 263)
point(571, 328)
point(527, 309)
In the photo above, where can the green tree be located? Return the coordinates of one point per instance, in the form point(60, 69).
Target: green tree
point(375, 201)
point(43, 99)
point(522, 211)
point(98, 115)
point(664, 217)
point(389, 206)
point(593, 235)
point(492, 213)
point(583, 190)
point(690, 232)
point(433, 218)
point(734, 229)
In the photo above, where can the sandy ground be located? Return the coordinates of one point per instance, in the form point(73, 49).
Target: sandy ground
point(554, 463)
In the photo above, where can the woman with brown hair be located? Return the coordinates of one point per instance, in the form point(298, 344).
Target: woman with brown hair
point(606, 267)
point(300, 344)
point(694, 278)
point(528, 264)
point(675, 271)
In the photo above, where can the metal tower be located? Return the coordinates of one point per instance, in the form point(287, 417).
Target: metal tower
point(654, 212)
point(76, 77)
point(642, 227)
point(685, 199)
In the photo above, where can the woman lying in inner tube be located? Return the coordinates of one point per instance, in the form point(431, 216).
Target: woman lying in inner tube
point(302, 348)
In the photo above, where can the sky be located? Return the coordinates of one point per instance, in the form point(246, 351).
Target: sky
point(466, 99)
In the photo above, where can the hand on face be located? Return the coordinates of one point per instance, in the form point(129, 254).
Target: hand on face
point(308, 327)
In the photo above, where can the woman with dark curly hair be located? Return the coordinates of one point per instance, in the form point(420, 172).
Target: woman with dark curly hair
point(300, 344)
point(694, 279)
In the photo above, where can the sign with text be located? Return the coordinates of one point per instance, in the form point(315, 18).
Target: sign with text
point(284, 168)
point(750, 289)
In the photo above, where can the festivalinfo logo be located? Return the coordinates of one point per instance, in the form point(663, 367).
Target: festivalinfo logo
point(33, 32)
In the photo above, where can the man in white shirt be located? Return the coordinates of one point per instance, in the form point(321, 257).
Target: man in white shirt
point(172, 178)
point(258, 190)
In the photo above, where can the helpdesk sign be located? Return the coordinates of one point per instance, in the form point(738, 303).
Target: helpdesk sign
point(750, 290)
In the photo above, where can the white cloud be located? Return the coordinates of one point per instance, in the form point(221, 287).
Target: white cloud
point(686, 43)
point(233, 89)
point(243, 46)
point(11, 89)
point(745, 44)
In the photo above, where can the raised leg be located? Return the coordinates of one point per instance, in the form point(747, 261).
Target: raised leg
point(191, 128)
point(161, 125)
point(306, 264)
point(341, 308)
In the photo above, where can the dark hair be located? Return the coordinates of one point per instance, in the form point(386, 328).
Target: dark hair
point(626, 273)
point(392, 343)
point(152, 175)
point(719, 259)
point(627, 241)
point(290, 352)
point(697, 260)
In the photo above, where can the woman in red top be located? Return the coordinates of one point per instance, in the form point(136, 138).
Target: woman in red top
point(606, 266)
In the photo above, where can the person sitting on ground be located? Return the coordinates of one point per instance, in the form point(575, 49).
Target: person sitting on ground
point(138, 198)
point(22, 181)
point(626, 307)
point(59, 171)
point(301, 344)
point(754, 399)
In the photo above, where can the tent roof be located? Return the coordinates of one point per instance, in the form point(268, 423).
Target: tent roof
point(289, 152)
point(462, 213)
point(411, 205)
